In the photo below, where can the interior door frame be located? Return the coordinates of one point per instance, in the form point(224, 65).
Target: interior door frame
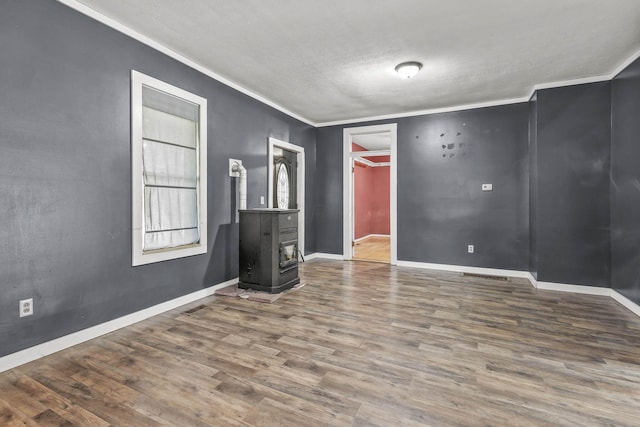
point(347, 191)
point(273, 142)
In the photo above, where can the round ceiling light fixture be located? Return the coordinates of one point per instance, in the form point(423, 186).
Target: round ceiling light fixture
point(406, 70)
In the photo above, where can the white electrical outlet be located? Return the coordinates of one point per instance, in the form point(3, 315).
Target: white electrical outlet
point(470, 249)
point(487, 187)
point(26, 307)
point(262, 200)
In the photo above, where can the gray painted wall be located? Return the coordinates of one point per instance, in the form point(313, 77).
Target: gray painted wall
point(65, 212)
point(625, 183)
point(329, 190)
point(549, 162)
point(65, 187)
point(533, 186)
point(443, 160)
point(573, 160)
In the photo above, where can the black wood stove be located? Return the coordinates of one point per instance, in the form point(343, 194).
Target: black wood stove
point(268, 249)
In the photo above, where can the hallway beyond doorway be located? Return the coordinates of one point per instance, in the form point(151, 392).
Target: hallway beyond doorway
point(373, 248)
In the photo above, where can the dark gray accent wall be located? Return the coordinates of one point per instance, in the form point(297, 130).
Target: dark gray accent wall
point(443, 160)
point(65, 198)
point(573, 197)
point(625, 183)
point(533, 186)
point(329, 190)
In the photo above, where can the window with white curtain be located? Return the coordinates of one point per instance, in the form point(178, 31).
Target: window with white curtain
point(169, 169)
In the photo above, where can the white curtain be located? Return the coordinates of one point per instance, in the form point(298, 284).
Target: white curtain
point(170, 171)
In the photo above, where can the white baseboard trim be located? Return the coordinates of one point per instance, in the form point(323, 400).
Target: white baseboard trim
point(465, 269)
point(550, 286)
point(372, 235)
point(632, 306)
point(576, 289)
point(30, 354)
point(564, 287)
point(36, 352)
point(315, 255)
point(532, 279)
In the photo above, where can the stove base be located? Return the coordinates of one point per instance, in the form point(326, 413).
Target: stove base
point(270, 289)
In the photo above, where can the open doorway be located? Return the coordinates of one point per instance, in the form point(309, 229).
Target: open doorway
point(371, 199)
point(370, 174)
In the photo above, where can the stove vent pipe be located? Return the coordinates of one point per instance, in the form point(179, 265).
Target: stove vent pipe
point(237, 170)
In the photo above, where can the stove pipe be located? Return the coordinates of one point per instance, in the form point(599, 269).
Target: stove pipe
point(242, 192)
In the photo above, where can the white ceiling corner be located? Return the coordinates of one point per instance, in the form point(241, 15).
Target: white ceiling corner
point(332, 61)
point(373, 141)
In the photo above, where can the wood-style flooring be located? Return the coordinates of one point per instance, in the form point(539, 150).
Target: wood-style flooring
point(362, 344)
point(373, 248)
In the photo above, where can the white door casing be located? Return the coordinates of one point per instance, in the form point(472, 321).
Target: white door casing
point(347, 179)
point(273, 142)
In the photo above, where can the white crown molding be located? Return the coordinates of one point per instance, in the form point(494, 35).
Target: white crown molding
point(574, 82)
point(551, 85)
point(94, 14)
point(624, 64)
point(36, 352)
point(369, 163)
point(496, 103)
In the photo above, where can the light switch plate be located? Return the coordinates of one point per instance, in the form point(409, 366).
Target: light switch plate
point(487, 187)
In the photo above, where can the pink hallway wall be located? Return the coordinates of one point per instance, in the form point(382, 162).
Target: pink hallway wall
point(371, 198)
point(380, 200)
point(362, 182)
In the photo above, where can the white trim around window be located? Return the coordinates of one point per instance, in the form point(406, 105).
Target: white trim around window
point(195, 107)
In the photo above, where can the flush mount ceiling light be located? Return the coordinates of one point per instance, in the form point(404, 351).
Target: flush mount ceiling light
point(406, 70)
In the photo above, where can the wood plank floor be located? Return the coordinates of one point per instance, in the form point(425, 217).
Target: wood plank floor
point(360, 344)
point(373, 248)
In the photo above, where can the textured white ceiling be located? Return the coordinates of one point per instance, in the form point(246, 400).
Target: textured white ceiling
point(373, 141)
point(333, 60)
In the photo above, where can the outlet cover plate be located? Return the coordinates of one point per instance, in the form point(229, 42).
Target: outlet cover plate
point(487, 187)
point(26, 307)
point(470, 249)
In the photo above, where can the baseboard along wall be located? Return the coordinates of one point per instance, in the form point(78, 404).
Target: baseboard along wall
point(371, 235)
point(36, 352)
point(41, 350)
point(550, 286)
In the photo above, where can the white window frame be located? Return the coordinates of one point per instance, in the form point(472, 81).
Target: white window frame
point(139, 256)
